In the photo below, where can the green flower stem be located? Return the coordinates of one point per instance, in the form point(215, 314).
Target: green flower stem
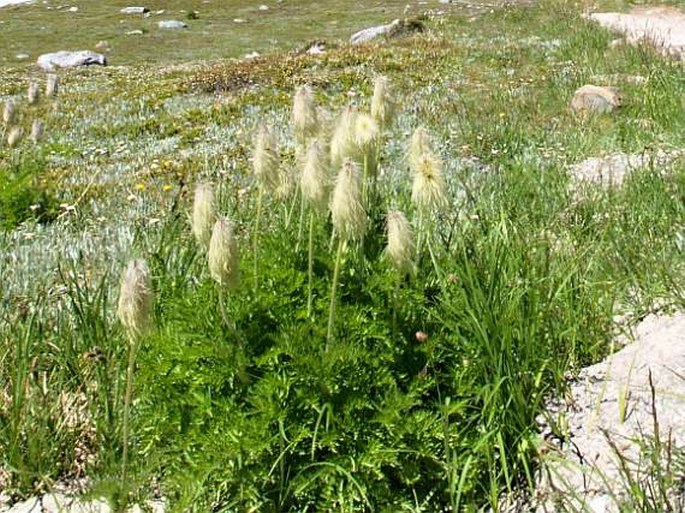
point(334, 292)
point(255, 237)
point(395, 302)
point(300, 226)
point(310, 264)
point(133, 347)
point(419, 235)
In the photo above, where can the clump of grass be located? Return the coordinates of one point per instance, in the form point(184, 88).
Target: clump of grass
point(24, 196)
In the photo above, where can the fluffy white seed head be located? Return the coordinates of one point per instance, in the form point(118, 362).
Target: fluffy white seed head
point(429, 191)
point(400, 250)
point(429, 188)
point(383, 104)
point(223, 255)
point(366, 133)
point(419, 145)
point(304, 116)
point(343, 145)
point(347, 212)
point(314, 181)
point(9, 112)
point(204, 213)
point(136, 299)
point(14, 136)
point(33, 93)
point(52, 85)
point(36, 130)
point(285, 186)
point(265, 160)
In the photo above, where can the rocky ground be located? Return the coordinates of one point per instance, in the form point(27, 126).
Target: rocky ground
point(623, 419)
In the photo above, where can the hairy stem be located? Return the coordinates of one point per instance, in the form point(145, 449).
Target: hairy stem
point(133, 347)
point(255, 237)
point(310, 264)
point(334, 292)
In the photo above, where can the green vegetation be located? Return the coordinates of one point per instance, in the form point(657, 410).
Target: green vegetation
point(421, 391)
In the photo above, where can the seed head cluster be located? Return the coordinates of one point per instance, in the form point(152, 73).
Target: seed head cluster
point(314, 181)
point(401, 251)
point(136, 299)
point(223, 254)
point(429, 190)
point(347, 212)
point(383, 103)
point(204, 213)
point(265, 161)
point(304, 116)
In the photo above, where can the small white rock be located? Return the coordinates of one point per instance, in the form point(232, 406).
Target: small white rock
point(172, 24)
point(134, 10)
point(263, 7)
point(55, 503)
point(252, 55)
point(31, 505)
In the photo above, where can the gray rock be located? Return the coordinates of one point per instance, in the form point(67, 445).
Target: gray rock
point(134, 33)
point(31, 505)
point(22, 56)
point(398, 28)
point(94, 506)
point(316, 49)
point(596, 99)
point(65, 59)
point(134, 10)
point(172, 24)
point(368, 34)
point(55, 503)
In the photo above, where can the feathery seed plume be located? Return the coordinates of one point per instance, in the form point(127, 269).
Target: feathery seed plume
point(314, 181)
point(52, 85)
point(347, 211)
point(33, 93)
point(14, 136)
point(36, 130)
point(365, 133)
point(204, 213)
point(383, 103)
point(305, 119)
point(400, 250)
point(265, 160)
point(419, 146)
point(342, 142)
point(9, 113)
point(429, 188)
point(136, 299)
point(223, 254)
